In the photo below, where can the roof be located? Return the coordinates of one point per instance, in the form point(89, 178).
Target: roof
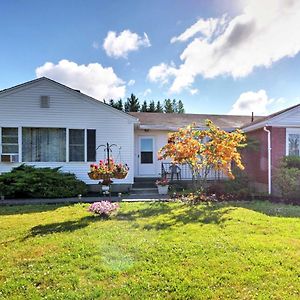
point(172, 121)
point(263, 121)
point(71, 90)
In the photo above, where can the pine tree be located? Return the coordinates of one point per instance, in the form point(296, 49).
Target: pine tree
point(119, 104)
point(159, 107)
point(180, 107)
point(144, 107)
point(151, 106)
point(168, 108)
point(111, 102)
point(174, 106)
point(132, 104)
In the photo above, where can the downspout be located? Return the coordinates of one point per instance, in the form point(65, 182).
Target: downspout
point(269, 161)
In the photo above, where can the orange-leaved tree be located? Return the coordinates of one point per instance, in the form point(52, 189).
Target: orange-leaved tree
point(205, 150)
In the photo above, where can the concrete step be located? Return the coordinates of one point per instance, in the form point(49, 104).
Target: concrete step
point(144, 191)
point(145, 179)
point(144, 185)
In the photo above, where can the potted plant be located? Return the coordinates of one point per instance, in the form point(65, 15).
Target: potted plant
point(121, 171)
point(163, 186)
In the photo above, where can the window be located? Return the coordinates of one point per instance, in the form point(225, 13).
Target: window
point(146, 150)
point(294, 144)
point(76, 145)
point(91, 145)
point(43, 144)
point(9, 141)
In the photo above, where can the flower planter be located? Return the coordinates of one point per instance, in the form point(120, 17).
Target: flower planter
point(163, 189)
point(119, 175)
point(99, 176)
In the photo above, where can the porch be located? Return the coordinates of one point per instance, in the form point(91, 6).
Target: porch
point(182, 172)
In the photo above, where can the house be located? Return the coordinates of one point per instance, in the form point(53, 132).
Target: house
point(45, 123)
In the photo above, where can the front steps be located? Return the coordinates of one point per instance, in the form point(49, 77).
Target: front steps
point(144, 187)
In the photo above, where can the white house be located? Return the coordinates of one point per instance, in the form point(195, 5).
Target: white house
point(45, 123)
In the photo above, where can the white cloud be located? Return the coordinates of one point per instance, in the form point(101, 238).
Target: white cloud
point(249, 102)
point(95, 45)
point(131, 82)
point(147, 92)
point(205, 27)
point(92, 79)
point(120, 45)
point(193, 91)
point(162, 73)
point(265, 32)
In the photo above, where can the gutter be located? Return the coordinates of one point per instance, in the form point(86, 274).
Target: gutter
point(269, 161)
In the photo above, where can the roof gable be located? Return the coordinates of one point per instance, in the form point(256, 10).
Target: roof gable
point(67, 89)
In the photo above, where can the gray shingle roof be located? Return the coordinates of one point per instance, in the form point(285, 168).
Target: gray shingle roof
point(174, 121)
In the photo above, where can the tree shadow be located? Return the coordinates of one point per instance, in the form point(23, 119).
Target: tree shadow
point(155, 209)
point(169, 215)
point(205, 214)
point(67, 226)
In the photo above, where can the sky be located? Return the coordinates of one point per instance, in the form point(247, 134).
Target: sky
point(217, 56)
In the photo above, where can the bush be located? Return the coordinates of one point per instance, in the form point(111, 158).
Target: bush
point(30, 182)
point(287, 180)
point(238, 188)
point(103, 208)
point(291, 162)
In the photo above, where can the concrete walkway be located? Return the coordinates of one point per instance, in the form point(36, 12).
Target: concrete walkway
point(135, 198)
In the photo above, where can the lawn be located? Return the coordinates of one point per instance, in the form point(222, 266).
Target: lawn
point(151, 251)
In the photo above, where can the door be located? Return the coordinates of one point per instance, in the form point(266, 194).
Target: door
point(146, 156)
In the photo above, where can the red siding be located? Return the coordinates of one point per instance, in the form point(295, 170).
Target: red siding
point(256, 162)
point(278, 144)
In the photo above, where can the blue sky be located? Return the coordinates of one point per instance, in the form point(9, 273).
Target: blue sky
point(225, 57)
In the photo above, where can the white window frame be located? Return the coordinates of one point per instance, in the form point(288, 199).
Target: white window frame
point(287, 132)
point(20, 141)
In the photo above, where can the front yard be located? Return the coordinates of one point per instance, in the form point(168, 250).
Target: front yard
point(151, 251)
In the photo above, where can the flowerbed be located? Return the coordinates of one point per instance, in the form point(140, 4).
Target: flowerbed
point(103, 208)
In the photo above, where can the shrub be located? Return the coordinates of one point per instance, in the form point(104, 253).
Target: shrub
point(291, 162)
point(103, 208)
point(287, 180)
point(30, 182)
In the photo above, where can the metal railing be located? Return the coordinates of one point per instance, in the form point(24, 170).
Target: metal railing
point(183, 172)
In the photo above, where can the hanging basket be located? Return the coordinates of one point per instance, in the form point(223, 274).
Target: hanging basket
point(120, 175)
point(99, 176)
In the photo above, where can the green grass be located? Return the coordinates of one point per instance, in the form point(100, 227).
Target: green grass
point(151, 251)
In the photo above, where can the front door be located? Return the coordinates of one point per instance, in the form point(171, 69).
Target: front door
point(146, 156)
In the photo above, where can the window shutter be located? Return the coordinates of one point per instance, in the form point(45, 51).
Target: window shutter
point(91, 145)
point(45, 102)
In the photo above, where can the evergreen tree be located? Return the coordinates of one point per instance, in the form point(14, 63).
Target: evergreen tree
point(111, 102)
point(159, 107)
point(174, 106)
point(151, 106)
point(119, 104)
point(144, 107)
point(180, 107)
point(168, 107)
point(132, 104)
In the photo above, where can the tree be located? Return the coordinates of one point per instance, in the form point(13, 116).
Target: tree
point(119, 104)
point(205, 150)
point(174, 106)
point(132, 104)
point(168, 108)
point(111, 102)
point(144, 107)
point(180, 107)
point(159, 107)
point(151, 106)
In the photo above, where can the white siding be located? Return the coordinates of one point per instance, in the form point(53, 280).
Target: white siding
point(288, 119)
point(68, 110)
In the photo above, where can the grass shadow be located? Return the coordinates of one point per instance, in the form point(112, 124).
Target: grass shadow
point(28, 209)
point(269, 208)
